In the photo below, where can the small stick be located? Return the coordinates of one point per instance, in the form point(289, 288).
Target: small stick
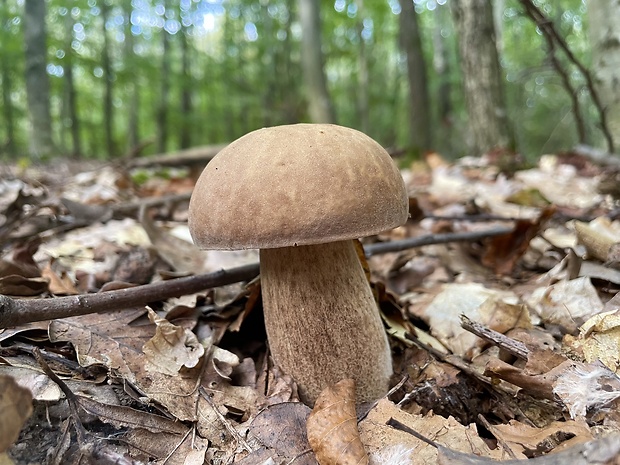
point(15, 312)
point(233, 432)
point(513, 347)
point(430, 239)
point(19, 311)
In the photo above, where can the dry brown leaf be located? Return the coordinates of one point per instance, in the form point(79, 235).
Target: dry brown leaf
point(533, 442)
point(58, 285)
point(15, 408)
point(120, 416)
point(16, 285)
point(115, 339)
point(377, 435)
point(332, 427)
point(499, 310)
point(599, 339)
point(171, 348)
point(180, 254)
point(282, 428)
point(566, 303)
point(601, 238)
point(603, 451)
point(504, 251)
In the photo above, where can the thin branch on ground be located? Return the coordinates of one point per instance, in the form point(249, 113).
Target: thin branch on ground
point(15, 312)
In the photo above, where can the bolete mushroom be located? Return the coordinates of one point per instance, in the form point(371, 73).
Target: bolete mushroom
point(301, 194)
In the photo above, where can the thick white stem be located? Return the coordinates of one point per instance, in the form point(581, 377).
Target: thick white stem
point(322, 322)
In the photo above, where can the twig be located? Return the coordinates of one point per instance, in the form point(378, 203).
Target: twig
point(233, 432)
point(553, 37)
point(402, 427)
point(430, 239)
point(513, 347)
point(86, 447)
point(15, 312)
point(71, 398)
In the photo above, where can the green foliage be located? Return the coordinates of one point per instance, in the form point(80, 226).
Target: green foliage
point(244, 70)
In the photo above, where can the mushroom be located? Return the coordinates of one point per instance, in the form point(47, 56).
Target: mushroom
point(301, 194)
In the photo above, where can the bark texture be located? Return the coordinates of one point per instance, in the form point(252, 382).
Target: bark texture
point(604, 18)
point(482, 77)
point(37, 80)
point(320, 105)
point(322, 321)
point(419, 109)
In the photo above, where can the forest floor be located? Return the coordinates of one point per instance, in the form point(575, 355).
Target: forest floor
point(499, 296)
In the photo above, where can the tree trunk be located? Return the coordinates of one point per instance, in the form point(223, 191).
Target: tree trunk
point(7, 85)
point(37, 81)
point(162, 111)
point(108, 108)
point(441, 65)
point(419, 108)
point(320, 106)
point(482, 77)
point(133, 88)
point(185, 138)
point(363, 107)
point(604, 18)
point(70, 92)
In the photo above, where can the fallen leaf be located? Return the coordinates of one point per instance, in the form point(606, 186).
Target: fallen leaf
point(599, 339)
point(566, 303)
point(171, 348)
point(377, 435)
point(15, 408)
point(529, 441)
point(601, 238)
point(498, 310)
point(332, 427)
point(282, 429)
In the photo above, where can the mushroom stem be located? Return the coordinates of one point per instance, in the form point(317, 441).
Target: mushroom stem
point(322, 321)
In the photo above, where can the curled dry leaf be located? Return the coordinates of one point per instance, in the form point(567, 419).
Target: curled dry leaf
point(172, 347)
point(332, 427)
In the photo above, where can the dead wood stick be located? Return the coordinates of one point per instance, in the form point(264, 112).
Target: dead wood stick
point(513, 347)
point(201, 154)
point(15, 312)
point(19, 311)
point(430, 239)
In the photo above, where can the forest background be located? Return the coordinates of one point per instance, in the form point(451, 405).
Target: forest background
point(103, 78)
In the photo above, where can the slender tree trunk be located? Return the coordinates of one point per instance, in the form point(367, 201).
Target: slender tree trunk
point(441, 65)
point(320, 106)
point(290, 84)
point(7, 105)
point(70, 92)
point(108, 107)
point(162, 111)
point(419, 108)
point(185, 138)
point(482, 78)
point(133, 87)
point(7, 84)
point(605, 38)
point(363, 106)
point(37, 80)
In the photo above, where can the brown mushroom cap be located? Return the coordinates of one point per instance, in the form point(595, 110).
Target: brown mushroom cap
point(296, 185)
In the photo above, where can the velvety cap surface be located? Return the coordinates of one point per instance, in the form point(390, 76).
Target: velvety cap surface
point(296, 185)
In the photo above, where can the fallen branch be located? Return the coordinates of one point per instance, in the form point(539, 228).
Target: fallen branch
point(192, 156)
point(19, 311)
point(15, 312)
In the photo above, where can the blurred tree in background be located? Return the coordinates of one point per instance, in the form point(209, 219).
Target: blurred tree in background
point(181, 73)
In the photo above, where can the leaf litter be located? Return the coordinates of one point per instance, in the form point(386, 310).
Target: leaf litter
point(504, 348)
